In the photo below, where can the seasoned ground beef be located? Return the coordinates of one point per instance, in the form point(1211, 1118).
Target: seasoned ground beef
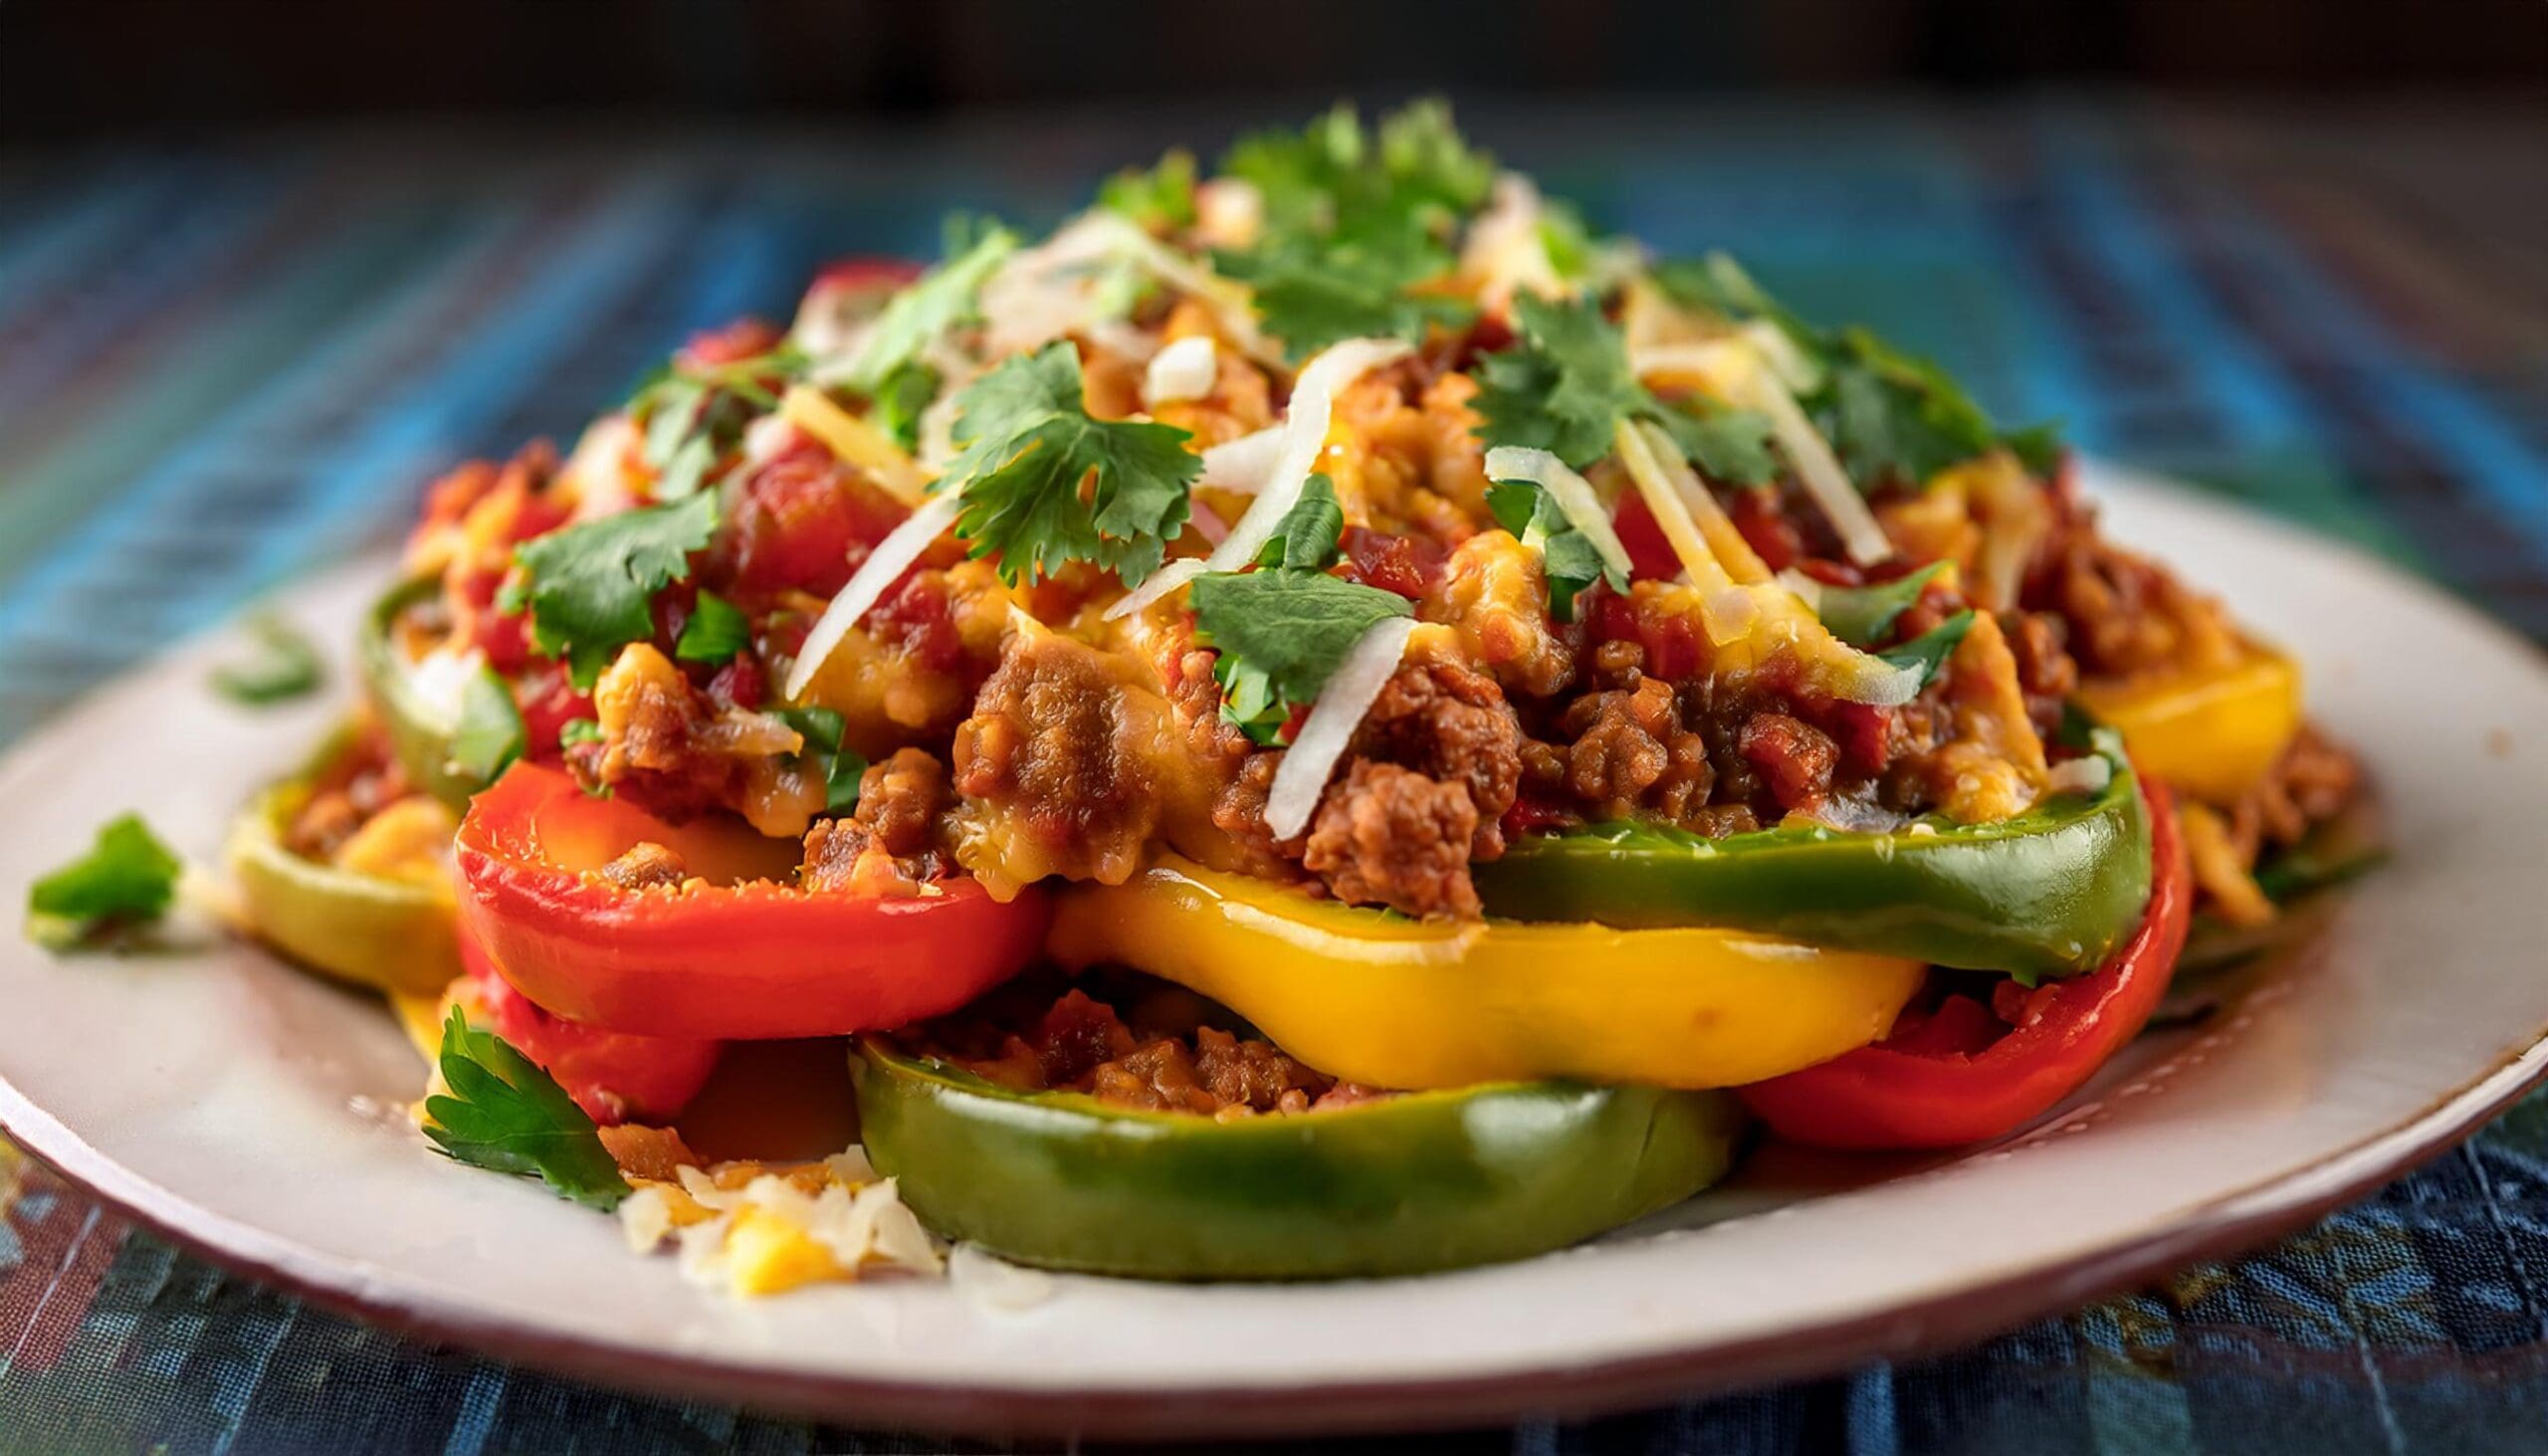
point(646, 865)
point(893, 842)
point(1391, 835)
point(1450, 724)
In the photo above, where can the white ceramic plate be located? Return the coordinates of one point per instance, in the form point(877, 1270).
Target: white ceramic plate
point(255, 1114)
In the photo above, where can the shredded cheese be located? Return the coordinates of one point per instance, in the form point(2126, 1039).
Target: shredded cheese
point(1183, 370)
point(881, 568)
point(855, 442)
point(1732, 552)
point(1329, 730)
point(1573, 494)
point(1244, 463)
point(1820, 470)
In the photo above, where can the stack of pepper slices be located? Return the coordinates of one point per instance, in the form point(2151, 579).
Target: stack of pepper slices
point(1319, 722)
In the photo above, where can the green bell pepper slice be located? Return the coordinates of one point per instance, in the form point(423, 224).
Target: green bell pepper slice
point(396, 934)
point(417, 732)
point(2049, 893)
point(1404, 1184)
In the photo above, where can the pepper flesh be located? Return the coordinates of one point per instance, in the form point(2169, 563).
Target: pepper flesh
point(1948, 1081)
point(728, 955)
point(416, 734)
point(2049, 893)
point(392, 931)
point(2212, 735)
point(1398, 1185)
point(1388, 1001)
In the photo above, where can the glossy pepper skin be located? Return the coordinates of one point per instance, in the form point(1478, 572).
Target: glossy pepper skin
point(1387, 1001)
point(734, 955)
point(2049, 893)
point(1400, 1186)
point(1960, 1075)
point(416, 734)
point(394, 932)
point(2212, 735)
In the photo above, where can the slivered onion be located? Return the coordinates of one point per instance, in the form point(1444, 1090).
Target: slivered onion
point(1305, 425)
point(1733, 553)
point(1573, 494)
point(1669, 510)
point(1245, 463)
point(1184, 369)
point(884, 565)
point(1820, 470)
point(1302, 777)
point(854, 441)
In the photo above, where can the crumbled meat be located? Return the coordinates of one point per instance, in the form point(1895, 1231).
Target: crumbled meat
point(1794, 759)
point(1391, 835)
point(646, 865)
point(652, 724)
point(1631, 753)
point(2045, 673)
point(893, 842)
point(2311, 782)
point(1450, 722)
point(901, 798)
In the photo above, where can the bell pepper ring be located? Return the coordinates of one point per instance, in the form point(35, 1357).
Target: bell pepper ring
point(614, 1076)
point(390, 931)
point(2210, 734)
point(1388, 1001)
point(732, 954)
point(418, 731)
point(1960, 1075)
point(1401, 1185)
point(2049, 893)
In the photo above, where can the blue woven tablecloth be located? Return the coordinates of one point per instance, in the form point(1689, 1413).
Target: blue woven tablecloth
point(221, 365)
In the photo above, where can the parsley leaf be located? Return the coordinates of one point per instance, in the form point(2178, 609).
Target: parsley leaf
point(1859, 615)
point(1307, 536)
point(1930, 650)
point(1159, 198)
point(128, 877)
point(1281, 635)
point(490, 734)
point(505, 1113)
point(591, 587)
point(284, 665)
point(715, 632)
point(1568, 557)
point(944, 297)
point(1045, 484)
point(842, 767)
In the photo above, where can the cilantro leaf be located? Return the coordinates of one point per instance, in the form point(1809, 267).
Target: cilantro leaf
point(1045, 484)
point(842, 767)
point(284, 665)
point(1930, 650)
point(1429, 162)
point(128, 877)
point(693, 418)
point(591, 587)
point(1159, 198)
point(1859, 615)
point(578, 730)
point(505, 1113)
point(901, 399)
point(1568, 557)
point(715, 632)
point(490, 734)
point(1565, 384)
point(1726, 444)
point(1307, 536)
point(944, 297)
point(1313, 291)
point(1281, 635)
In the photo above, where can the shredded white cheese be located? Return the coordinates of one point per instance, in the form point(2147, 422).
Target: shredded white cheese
point(884, 565)
point(1183, 370)
point(1820, 470)
point(1302, 777)
point(1244, 463)
point(1718, 528)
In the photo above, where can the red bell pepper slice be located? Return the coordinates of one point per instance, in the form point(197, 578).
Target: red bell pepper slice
point(738, 957)
point(615, 1077)
point(1961, 1075)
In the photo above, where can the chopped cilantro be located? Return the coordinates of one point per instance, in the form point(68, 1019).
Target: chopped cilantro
point(128, 878)
point(505, 1113)
point(1859, 615)
point(1159, 198)
point(1307, 536)
point(591, 587)
point(944, 297)
point(842, 767)
point(1567, 383)
point(1280, 635)
point(578, 730)
point(1312, 290)
point(1930, 650)
point(1568, 557)
point(691, 419)
point(283, 665)
point(1045, 484)
point(490, 734)
point(901, 399)
point(715, 632)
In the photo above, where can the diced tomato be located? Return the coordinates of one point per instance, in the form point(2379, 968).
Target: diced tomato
point(1650, 557)
point(1774, 537)
point(1397, 563)
point(745, 338)
point(805, 523)
point(740, 682)
point(916, 613)
point(548, 703)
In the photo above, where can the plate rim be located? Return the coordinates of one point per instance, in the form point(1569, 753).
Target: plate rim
point(2227, 1223)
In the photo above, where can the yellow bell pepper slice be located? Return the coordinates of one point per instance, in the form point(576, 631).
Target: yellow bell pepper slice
point(1381, 999)
point(2211, 734)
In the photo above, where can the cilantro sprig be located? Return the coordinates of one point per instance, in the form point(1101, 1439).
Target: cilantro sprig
point(1568, 557)
point(1282, 630)
point(1045, 484)
point(715, 631)
point(1859, 615)
point(943, 298)
point(693, 418)
point(1567, 382)
point(282, 664)
point(1159, 198)
point(591, 588)
point(842, 767)
point(505, 1113)
point(129, 878)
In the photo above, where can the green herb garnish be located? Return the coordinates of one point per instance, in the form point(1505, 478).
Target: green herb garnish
point(1280, 635)
point(591, 588)
point(1567, 383)
point(1568, 557)
point(128, 878)
point(282, 663)
point(715, 631)
point(842, 767)
point(503, 1113)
